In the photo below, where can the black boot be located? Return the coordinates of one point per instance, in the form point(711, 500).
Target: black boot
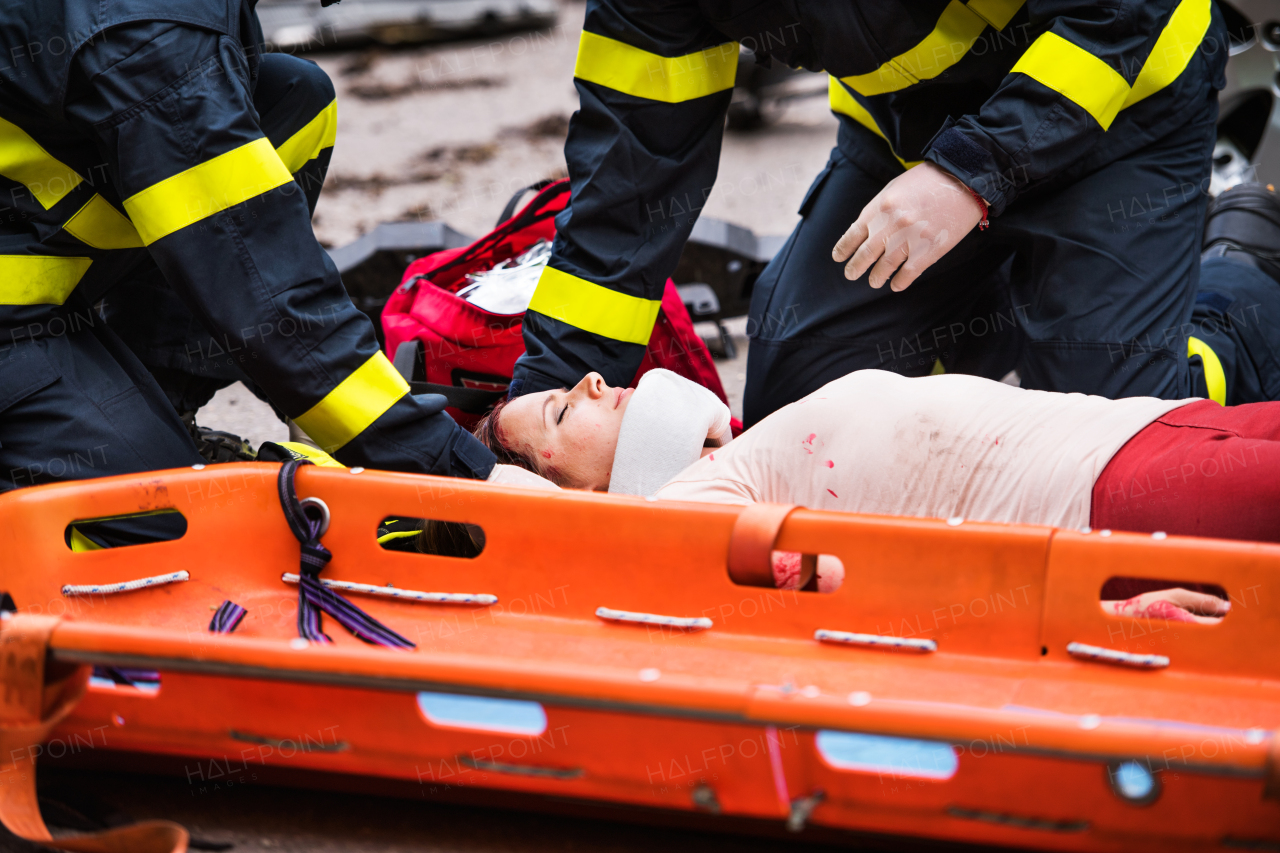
point(1243, 223)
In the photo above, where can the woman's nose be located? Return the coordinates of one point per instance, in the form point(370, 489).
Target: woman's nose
point(593, 385)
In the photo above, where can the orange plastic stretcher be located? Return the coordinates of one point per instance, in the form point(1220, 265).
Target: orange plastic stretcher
point(997, 735)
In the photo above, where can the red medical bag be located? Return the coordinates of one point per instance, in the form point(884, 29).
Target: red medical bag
point(468, 354)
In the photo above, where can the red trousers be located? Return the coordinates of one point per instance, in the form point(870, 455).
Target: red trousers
point(1201, 470)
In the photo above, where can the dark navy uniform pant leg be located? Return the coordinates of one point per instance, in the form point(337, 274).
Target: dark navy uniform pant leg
point(79, 405)
point(1237, 316)
point(1109, 265)
point(809, 325)
point(1100, 275)
point(290, 94)
point(191, 364)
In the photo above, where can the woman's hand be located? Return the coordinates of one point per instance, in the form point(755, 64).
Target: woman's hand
point(916, 219)
point(1174, 605)
point(791, 571)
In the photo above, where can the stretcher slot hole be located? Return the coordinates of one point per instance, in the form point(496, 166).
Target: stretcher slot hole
point(793, 570)
point(483, 713)
point(122, 678)
point(1171, 600)
point(895, 757)
point(121, 531)
point(431, 536)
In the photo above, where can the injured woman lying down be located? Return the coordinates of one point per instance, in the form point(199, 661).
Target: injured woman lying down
point(940, 446)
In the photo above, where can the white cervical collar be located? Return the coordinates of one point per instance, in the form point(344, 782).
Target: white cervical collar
point(668, 421)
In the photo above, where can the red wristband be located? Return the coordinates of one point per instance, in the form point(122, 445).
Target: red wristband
point(983, 224)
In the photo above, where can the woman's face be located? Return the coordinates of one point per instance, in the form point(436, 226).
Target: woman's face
point(572, 434)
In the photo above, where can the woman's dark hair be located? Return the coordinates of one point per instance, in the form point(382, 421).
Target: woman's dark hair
point(487, 431)
point(450, 538)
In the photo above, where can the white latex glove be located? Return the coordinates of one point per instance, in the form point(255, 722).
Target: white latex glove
point(514, 475)
point(917, 218)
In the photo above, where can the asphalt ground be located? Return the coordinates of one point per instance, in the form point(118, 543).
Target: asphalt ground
point(372, 817)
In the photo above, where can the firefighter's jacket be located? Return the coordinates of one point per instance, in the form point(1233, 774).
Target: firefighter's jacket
point(1011, 96)
point(128, 135)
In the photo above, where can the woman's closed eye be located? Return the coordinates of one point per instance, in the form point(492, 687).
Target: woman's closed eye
point(562, 414)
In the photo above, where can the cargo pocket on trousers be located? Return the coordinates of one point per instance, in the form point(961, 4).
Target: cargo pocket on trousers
point(816, 187)
point(23, 373)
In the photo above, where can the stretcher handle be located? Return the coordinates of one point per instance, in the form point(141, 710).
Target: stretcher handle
point(751, 546)
point(36, 697)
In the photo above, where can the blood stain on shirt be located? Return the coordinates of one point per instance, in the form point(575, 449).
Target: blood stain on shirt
point(830, 464)
point(713, 457)
point(807, 444)
point(833, 494)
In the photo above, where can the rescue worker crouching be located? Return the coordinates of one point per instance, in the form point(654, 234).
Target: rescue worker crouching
point(1041, 120)
point(164, 145)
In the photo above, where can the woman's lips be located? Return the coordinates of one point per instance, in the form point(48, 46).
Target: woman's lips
point(622, 394)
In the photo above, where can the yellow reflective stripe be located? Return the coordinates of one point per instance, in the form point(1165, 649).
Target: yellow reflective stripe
point(81, 543)
point(22, 159)
point(1077, 75)
point(39, 279)
point(672, 80)
point(357, 402)
point(593, 308)
point(997, 13)
point(100, 225)
point(1214, 377)
point(201, 191)
point(1095, 86)
point(315, 136)
point(938, 369)
point(958, 28)
point(399, 534)
point(1173, 50)
point(845, 104)
point(315, 454)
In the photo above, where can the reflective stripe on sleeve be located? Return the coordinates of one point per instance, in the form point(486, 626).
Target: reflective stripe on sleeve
point(593, 308)
point(632, 71)
point(997, 13)
point(1092, 84)
point(958, 28)
point(201, 191)
point(357, 401)
point(315, 136)
point(1215, 379)
point(1077, 75)
point(22, 159)
point(305, 451)
point(100, 225)
point(845, 104)
point(1173, 51)
point(39, 279)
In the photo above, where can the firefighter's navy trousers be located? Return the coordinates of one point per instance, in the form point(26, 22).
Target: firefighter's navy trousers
point(1093, 285)
point(89, 407)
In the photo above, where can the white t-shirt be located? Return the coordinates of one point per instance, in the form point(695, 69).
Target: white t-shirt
point(935, 446)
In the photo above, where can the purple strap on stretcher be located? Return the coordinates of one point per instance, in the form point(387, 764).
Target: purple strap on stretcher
point(313, 597)
point(228, 618)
